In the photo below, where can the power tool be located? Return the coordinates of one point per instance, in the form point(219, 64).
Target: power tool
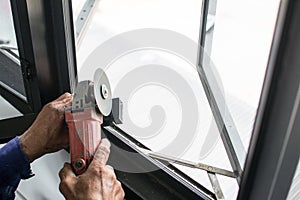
point(92, 108)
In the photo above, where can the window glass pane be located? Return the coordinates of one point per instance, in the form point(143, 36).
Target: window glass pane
point(7, 35)
point(149, 52)
point(10, 70)
point(153, 109)
point(11, 78)
point(237, 47)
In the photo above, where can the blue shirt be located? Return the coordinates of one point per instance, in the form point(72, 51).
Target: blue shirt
point(14, 166)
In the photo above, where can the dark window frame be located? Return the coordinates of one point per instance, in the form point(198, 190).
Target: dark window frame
point(46, 45)
point(274, 149)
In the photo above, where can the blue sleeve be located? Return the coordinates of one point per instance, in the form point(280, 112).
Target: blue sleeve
point(14, 166)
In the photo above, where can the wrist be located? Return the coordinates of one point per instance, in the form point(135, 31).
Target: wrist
point(31, 146)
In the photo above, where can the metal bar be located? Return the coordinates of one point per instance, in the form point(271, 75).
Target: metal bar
point(11, 72)
point(26, 55)
point(8, 47)
point(188, 163)
point(274, 148)
point(230, 137)
point(202, 31)
point(215, 185)
point(11, 51)
point(12, 127)
point(84, 18)
point(70, 46)
point(53, 44)
point(236, 160)
point(16, 99)
point(160, 180)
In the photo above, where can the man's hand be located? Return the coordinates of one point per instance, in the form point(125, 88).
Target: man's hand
point(97, 183)
point(48, 133)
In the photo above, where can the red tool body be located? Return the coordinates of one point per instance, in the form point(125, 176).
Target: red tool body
point(91, 108)
point(84, 137)
point(84, 121)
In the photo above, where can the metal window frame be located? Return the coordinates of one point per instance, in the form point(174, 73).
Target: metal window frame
point(53, 46)
point(232, 142)
point(84, 19)
point(24, 42)
point(44, 31)
point(274, 148)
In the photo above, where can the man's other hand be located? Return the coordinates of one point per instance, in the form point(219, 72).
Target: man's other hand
point(99, 182)
point(49, 132)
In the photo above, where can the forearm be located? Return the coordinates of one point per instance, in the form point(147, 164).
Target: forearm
point(47, 134)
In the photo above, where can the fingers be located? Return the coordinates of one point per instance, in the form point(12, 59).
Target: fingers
point(63, 101)
point(63, 96)
point(66, 172)
point(102, 185)
point(67, 180)
point(102, 154)
point(67, 101)
point(110, 175)
point(118, 191)
point(108, 181)
point(110, 172)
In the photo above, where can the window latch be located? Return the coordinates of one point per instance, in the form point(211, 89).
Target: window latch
point(27, 69)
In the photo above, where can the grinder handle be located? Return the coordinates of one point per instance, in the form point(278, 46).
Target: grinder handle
point(84, 137)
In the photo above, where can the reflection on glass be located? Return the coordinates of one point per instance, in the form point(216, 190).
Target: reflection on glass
point(238, 47)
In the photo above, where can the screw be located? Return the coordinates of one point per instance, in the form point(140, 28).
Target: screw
point(104, 91)
point(78, 164)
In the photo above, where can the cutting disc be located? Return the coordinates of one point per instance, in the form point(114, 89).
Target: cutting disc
point(102, 92)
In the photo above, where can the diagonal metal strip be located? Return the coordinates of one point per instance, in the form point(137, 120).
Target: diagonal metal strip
point(188, 163)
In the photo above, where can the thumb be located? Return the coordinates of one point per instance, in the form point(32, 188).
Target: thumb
point(102, 154)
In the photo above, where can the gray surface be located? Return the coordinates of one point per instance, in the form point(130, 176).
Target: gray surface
point(7, 111)
point(44, 185)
